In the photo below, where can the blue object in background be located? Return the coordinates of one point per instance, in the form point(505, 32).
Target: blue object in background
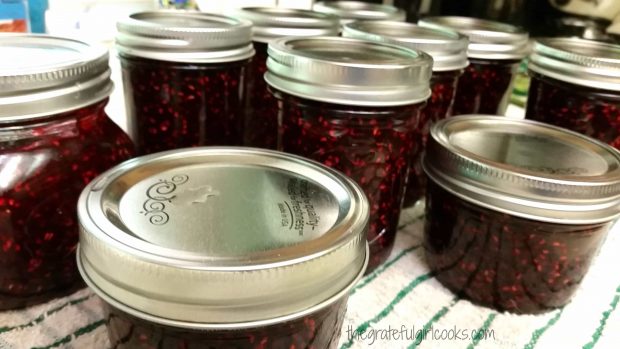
point(37, 10)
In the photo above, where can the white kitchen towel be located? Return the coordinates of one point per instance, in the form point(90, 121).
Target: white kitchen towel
point(387, 309)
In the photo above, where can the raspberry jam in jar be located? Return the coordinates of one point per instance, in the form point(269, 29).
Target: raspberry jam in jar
point(353, 105)
point(223, 247)
point(516, 210)
point(575, 84)
point(261, 123)
point(449, 52)
point(185, 77)
point(350, 11)
point(54, 139)
point(495, 52)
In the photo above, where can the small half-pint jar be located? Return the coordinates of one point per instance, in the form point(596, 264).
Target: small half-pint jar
point(216, 247)
point(349, 11)
point(55, 137)
point(449, 52)
point(353, 105)
point(495, 52)
point(184, 77)
point(269, 23)
point(575, 84)
point(516, 210)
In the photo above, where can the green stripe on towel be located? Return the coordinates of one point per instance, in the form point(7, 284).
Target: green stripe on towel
point(481, 331)
point(438, 315)
point(604, 317)
point(43, 316)
point(80, 332)
point(540, 331)
point(388, 309)
point(366, 280)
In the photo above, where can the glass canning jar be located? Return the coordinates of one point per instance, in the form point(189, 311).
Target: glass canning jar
point(223, 247)
point(495, 52)
point(54, 139)
point(353, 105)
point(349, 11)
point(449, 52)
point(261, 124)
point(516, 210)
point(576, 84)
point(184, 77)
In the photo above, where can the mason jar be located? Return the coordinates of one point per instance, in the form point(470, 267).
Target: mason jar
point(223, 247)
point(55, 137)
point(184, 77)
point(269, 23)
point(353, 105)
point(495, 53)
point(449, 52)
point(516, 210)
point(575, 84)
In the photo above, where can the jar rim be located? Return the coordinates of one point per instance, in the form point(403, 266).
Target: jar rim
point(487, 39)
point(75, 74)
point(447, 47)
point(151, 239)
point(577, 61)
point(185, 36)
point(493, 161)
point(349, 11)
point(349, 71)
point(276, 22)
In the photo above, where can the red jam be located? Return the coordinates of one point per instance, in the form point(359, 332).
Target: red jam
point(575, 84)
point(48, 161)
point(590, 111)
point(484, 87)
point(503, 261)
point(176, 105)
point(368, 144)
point(443, 86)
point(318, 330)
point(261, 124)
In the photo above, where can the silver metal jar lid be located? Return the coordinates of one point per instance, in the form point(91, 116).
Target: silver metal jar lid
point(44, 75)
point(349, 11)
point(349, 71)
point(525, 168)
point(487, 39)
point(185, 36)
point(222, 237)
point(276, 22)
point(582, 62)
point(448, 48)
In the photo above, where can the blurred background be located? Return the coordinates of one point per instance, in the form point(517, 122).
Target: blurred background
point(591, 19)
point(95, 20)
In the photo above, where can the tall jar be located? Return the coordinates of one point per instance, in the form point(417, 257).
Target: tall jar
point(54, 139)
point(575, 84)
point(495, 52)
point(184, 77)
point(449, 52)
point(269, 23)
point(222, 247)
point(349, 11)
point(353, 105)
point(516, 210)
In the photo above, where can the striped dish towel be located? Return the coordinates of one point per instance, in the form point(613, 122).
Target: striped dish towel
point(390, 307)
